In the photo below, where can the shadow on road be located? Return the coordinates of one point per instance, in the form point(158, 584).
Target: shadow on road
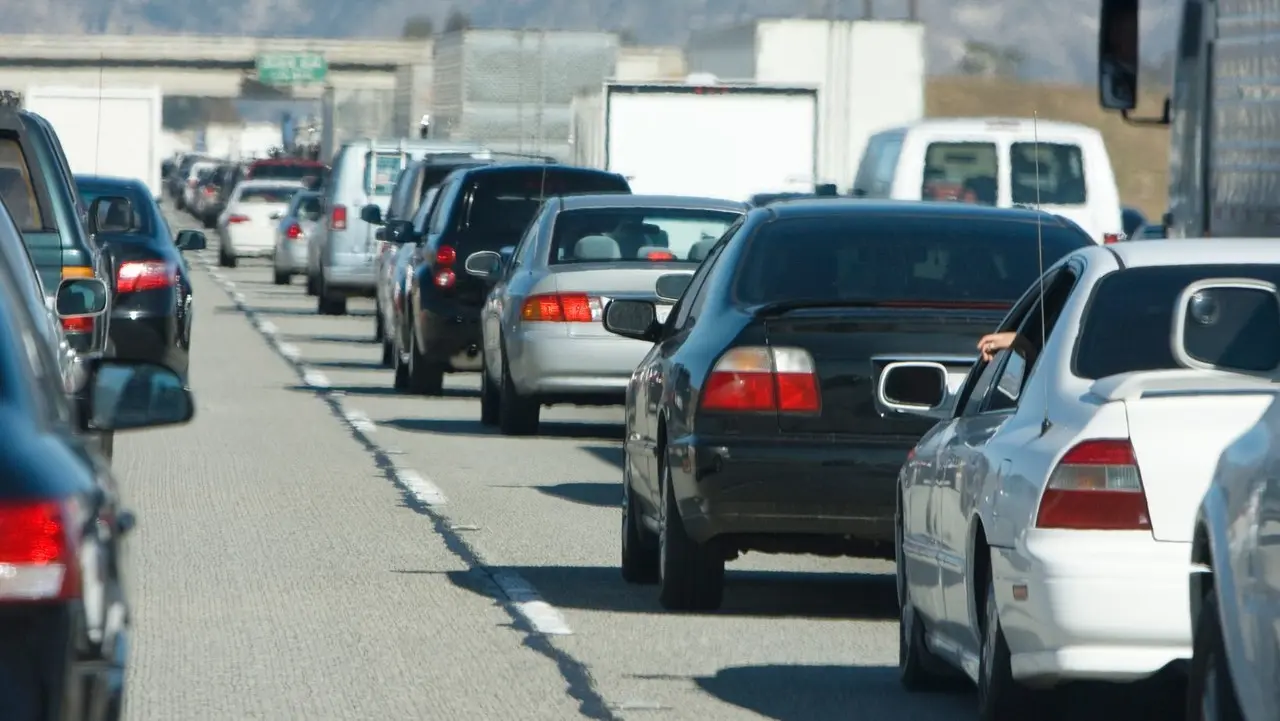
point(605, 494)
point(347, 365)
point(304, 338)
point(547, 429)
point(769, 594)
point(608, 454)
point(369, 391)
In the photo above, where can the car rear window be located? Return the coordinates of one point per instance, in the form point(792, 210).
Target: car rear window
point(501, 204)
point(381, 171)
point(637, 235)
point(1060, 174)
point(962, 171)
point(279, 194)
point(882, 258)
point(1129, 322)
point(15, 187)
point(310, 208)
point(287, 171)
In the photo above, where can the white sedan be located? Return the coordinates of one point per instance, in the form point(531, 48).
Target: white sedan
point(247, 227)
point(1044, 526)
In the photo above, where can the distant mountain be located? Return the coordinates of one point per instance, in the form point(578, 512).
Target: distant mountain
point(1056, 37)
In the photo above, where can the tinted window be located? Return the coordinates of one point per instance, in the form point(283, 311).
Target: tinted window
point(898, 258)
point(637, 234)
point(277, 194)
point(90, 192)
point(310, 207)
point(961, 171)
point(286, 171)
point(1061, 174)
point(500, 205)
point(15, 187)
point(1130, 317)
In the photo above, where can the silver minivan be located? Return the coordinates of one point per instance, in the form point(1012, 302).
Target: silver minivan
point(342, 252)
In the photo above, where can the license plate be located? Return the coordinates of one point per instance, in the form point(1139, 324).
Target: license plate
point(663, 312)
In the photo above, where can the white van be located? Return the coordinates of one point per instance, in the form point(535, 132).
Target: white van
point(993, 161)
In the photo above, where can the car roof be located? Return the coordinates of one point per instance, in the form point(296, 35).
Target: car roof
point(625, 200)
point(133, 183)
point(271, 183)
point(941, 210)
point(1199, 251)
point(996, 124)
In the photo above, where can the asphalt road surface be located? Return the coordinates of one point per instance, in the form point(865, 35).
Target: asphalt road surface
point(318, 546)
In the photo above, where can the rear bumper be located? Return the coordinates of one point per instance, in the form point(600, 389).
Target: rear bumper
point(1114, 608)
point(291, 256)
point(451, 335)
point(149, 338)
point(767, 486)
point(552, 363)
point(45, 663)
point(350, 274)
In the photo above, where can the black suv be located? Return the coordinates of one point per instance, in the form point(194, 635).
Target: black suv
point(478, 208)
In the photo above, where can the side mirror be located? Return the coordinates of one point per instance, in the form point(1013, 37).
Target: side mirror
point(81, 298)
point(636, 319)
point(483, 264)
point(128, 395)
point(1230, 324)
point(673, 285)
point(1118, 55)
point(917, 387)
point(110, 213)
point(399, 231)
point(190, 240)
point(371, 214)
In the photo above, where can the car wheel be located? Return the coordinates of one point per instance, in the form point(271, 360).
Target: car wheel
point(424, 378)
point(1211, 695)
point(401, 380)
point(639, 546)
point(918, 668)
point(690, 574)
point(379, 328)
point(1000, 697)
point(209, 222)
point(517, 414)
point(490, 408)
point(311, 284)
point(328, 303)
point(388, 353)
point(224, 259)
point(281, 278)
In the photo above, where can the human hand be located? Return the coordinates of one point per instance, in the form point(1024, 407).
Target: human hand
point(992, 343)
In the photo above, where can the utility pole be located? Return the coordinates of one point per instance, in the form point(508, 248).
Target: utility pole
point(913, 10)
point(868, 9)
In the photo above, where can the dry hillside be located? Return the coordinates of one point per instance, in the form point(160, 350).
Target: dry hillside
point(1140, 154)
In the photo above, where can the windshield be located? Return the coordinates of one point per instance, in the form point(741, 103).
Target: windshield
point(1130, 317)
point(501, 204)
point(110, 217)
point(271, 194)
point(1059, 176)
point(887, 258)
point(637, 235)
point(961, 171)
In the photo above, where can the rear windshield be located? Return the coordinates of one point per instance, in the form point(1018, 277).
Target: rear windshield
point(286, 171)
point(15, 187)
point(1061, 174)
point(309, 208)
point(637, 235)
point(1130, 318)
point(501, 204)
point(879, 258)
point(381, 171)
point(966, 172)
point(279, 194)
point(109, 216)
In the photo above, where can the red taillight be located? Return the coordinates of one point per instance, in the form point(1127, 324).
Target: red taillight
point(562, 308)
point(444, 278)
point(338, 218)
point(37, 557)
point(209, 190)
point(233, 219)
point(446, 256)
point(77, 325)
point(1096, 487)
point(759, 379)
point(1109, 238)
point(136, 275)
point(293, 232)
point(660, 255)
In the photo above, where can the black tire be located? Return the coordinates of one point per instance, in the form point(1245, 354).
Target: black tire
point(639, 546)
point(379, 327)
point(280, 278)
point(517, 414)
point(424, 378)
point(401, 379)
point(209, 222)
point(327, 303)
point(224, 260)
point(232, 261)
point(690, 574)
point(1000, 697)
point(490, 402)
point(311, 285)
point(919, 669)
point(388, 354)
point(1211, 694)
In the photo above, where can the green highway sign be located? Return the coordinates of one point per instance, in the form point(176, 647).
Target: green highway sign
point(291, 68)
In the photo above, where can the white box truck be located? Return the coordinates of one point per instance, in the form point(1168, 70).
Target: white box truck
point(106, 131)
point(700, 137)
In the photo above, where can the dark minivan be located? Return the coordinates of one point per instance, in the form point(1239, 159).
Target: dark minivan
point(478, 208)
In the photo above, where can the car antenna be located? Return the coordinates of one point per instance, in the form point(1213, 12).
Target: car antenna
point(97, 141)
point(1045, 424)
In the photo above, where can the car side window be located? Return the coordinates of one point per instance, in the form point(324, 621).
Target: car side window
point(444, 203)
point(1034, 329)
point(685, 306)
point(520, 256)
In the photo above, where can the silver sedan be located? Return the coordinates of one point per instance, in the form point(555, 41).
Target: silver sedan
point(292, 234)
point(544, 342)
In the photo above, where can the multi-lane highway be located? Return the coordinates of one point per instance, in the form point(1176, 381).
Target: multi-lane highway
point(318, 546)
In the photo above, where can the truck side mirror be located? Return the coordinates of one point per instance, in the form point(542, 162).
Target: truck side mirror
point(1118, 55)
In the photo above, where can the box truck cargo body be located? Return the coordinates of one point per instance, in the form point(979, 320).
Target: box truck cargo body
point(713, 140)
point(106, 131)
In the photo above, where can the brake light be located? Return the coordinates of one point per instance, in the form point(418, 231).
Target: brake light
point(233, 219)
point(660, 255)
point(1110, 238)
point(77, 325)
point(562, 308)
point(761, 379)
point(1096, 487)
point(135, 276)
point(37, 552)
point(209, 190)
point(338, 218)
point(446, 256)
point(293, 232)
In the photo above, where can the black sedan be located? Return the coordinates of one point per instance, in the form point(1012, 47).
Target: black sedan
point(151, 317)
point(64, 615)
point(751, 424)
